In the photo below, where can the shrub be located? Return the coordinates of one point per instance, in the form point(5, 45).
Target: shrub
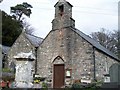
point(6, 70)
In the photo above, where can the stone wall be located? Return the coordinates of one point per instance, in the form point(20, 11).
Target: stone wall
point(77, 54)
point(103, 63)
point(64, 20)
point(22, 44)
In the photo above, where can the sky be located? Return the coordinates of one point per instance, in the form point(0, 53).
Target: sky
point(89, 15)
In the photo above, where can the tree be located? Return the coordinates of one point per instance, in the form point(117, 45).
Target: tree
point(18, 11)
point(108, 39)
point(1, 1)
point(27, 27)
point(21, 9)
point(13, 25)
point(11, 29)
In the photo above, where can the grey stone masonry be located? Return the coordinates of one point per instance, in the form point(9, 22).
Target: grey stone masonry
point(22, 44)
point(63, 16)
point(102, 65)
point(76, 53)
point(86, 59)
point(64, 45)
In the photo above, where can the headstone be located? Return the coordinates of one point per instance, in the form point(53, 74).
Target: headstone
point(23, 75)
point(115, 73)
point(106, 78)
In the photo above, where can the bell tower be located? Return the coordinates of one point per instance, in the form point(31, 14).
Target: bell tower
point(63, 15)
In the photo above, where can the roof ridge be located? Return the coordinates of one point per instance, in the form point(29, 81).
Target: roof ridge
point(62, 1)
point(96, 44)
point(33, 35)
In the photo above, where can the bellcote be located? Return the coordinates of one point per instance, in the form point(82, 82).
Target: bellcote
point(62, 7)
point(63, 15)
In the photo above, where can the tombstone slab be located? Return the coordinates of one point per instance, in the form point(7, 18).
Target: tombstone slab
point(23, 76)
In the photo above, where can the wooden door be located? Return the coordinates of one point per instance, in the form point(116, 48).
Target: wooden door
point(58, 78)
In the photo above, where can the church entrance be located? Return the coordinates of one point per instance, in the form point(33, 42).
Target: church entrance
point(59, 75)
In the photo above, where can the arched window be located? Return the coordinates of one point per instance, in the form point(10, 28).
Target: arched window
point(61, 9)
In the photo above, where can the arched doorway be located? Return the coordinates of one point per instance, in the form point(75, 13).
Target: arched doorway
point(58, 72)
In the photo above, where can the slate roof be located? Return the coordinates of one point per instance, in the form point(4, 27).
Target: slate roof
point(96, 44)
point(5, 49)
point(34, 40)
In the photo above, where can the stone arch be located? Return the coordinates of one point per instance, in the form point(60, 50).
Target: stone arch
point(58, 60)
point(58, 72)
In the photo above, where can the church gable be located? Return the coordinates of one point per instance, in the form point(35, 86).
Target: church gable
point(22, 44)
point(67, 44)
point(68, 49)
point(66, 55)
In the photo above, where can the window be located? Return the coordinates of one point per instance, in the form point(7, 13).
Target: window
point(61, 9)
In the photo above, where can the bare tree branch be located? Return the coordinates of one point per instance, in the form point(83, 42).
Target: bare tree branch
point(108, 39)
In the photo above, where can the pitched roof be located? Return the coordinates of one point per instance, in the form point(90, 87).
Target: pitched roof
point(96, 44)
point(34, 40)
point(63, 1)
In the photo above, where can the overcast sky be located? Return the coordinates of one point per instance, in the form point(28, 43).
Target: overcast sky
point(89, 15)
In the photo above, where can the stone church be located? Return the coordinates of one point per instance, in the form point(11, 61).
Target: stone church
point(66, 54)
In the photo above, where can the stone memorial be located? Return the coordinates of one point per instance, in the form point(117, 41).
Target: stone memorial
point(23, 75)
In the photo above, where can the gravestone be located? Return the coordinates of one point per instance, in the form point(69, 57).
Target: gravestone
point(23, 75)
point(115, 73)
